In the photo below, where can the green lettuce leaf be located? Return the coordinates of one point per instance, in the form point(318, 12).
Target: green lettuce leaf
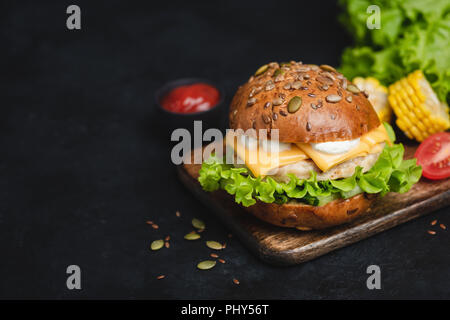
point(389, 173)
point(413, 35)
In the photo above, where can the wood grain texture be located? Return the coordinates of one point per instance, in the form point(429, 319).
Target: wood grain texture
point(283, 246)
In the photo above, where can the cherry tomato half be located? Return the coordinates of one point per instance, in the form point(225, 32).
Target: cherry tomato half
point(433, 155)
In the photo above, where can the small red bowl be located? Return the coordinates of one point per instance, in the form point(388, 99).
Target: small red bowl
point(215, 117)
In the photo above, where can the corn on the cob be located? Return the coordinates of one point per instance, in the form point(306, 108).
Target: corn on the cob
point(378, 96)
point(419, 112)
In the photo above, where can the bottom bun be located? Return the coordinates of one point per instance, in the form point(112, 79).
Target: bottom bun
point(306, 217)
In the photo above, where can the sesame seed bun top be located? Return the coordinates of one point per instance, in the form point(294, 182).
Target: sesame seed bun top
point(307, 103)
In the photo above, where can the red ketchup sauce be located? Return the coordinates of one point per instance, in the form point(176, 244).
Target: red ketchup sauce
point(191, 98)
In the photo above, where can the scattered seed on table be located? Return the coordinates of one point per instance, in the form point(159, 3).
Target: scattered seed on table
point(432, 232)
point(197, 223)
point(178, 214)
point(213, 255)
point(236, 281)
point(442, 226)
point(214, 245)
point(167, 244)
point(221, 260)
point(167, 238)
point(155, 226)
point(192, 236)
point(205, 265)
point(433, 222)
point(160, 277)
point(149, 222)
point(157, 244)
point(224, 245)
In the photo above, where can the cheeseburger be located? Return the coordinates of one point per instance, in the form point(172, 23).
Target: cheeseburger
point(308, 149)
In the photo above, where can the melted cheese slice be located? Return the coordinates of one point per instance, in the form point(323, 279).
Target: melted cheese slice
point(260, 162)
point(369, 143)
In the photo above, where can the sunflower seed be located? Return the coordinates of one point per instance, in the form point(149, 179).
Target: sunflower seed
point(313, 106)
point(205, 265)
point(344, 84)
point(283, 113)
point(214, 245)
point(294, 104)
point(308, 126)
point(352, 88)
point(274, 116)
point(287, 86)
point(267, 105)
point(192, 236)
point(261, 70)
point(277, 101)
point(306, 76)
point(197, 223)
point(296, 85)
point(312, 95)
point(269, 85)
point(319, 104)
point(333, 98)
point(251, 102)
point(266, 118)
point(304, 69)
point(329, 76)
point(157, 244)
point(349, 98)
point(324, 80)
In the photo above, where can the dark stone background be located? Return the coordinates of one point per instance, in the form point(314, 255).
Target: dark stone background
point(85, 163)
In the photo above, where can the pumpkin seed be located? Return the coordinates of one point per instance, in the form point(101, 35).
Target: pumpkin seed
point(294, 104)
point(333, 98)
point(207, 264)
point(327, 68)
point(192, 236)
point(214, 245)
point(352, 88)
point(262, 69)
point(278, 72)
point(157, 244)
point(197, 223)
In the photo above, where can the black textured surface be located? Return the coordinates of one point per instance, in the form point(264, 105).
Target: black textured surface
point(84, 163)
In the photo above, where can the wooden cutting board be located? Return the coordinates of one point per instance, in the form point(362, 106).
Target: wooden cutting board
point(283, 246)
